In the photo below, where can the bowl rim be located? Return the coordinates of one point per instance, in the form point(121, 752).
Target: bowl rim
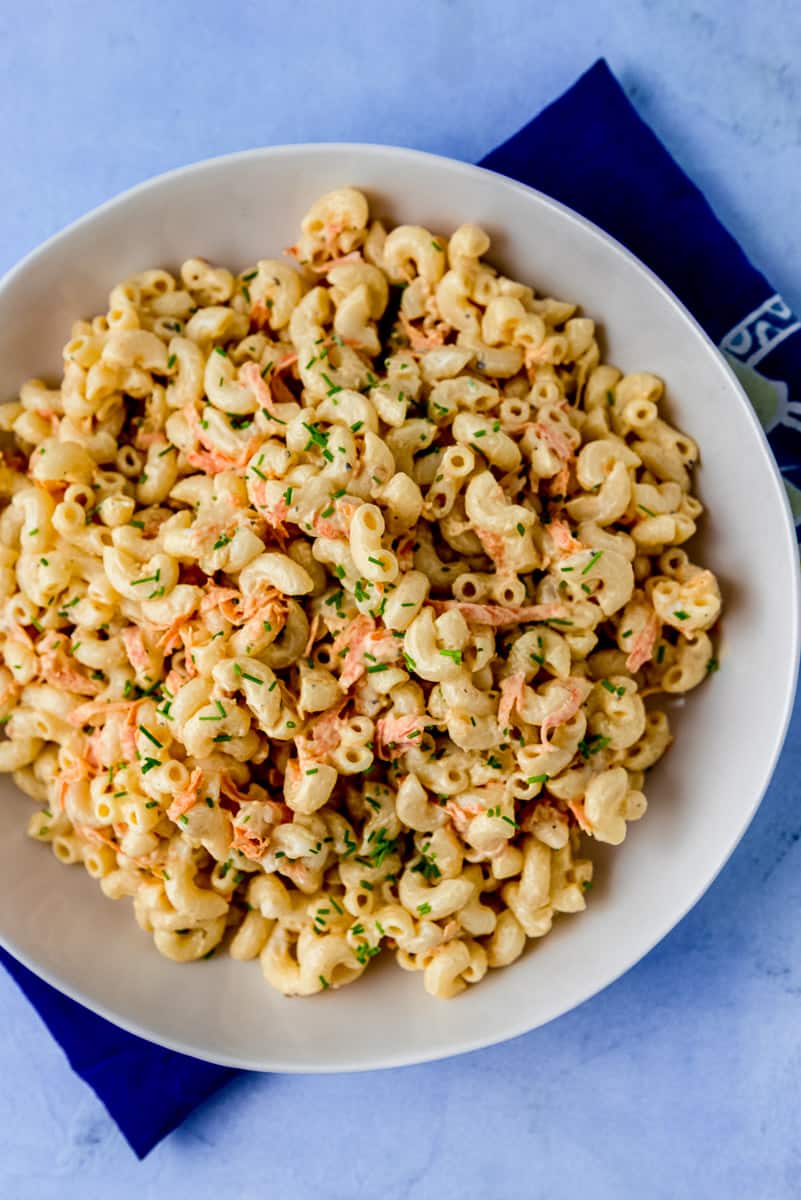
point(515, 1027)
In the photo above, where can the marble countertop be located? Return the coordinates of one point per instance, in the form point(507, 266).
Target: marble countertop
point(684, 1077)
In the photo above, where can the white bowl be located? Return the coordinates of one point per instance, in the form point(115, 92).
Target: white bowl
point(728, 735)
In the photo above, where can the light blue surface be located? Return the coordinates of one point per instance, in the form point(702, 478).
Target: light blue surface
point(684, 1078)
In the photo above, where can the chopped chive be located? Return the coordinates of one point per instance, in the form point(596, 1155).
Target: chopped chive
point(218, 715)
point(318, 437)
point(596, 743)
point(333, 388)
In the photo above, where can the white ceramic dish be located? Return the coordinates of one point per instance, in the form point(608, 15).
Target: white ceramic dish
point(728, 735)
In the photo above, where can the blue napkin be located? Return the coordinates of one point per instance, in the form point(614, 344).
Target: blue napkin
point(147, 1090)
point(591, 151)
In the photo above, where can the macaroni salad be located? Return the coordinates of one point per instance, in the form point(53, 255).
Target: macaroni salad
point(330, 596)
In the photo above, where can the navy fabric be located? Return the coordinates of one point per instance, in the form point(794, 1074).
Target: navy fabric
point(591, 151)
point(147, 1090)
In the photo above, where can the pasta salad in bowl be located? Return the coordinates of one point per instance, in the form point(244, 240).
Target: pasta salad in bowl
point(348, 596)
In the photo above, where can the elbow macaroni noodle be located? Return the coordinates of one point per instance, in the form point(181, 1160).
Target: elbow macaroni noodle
point(330, 596)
